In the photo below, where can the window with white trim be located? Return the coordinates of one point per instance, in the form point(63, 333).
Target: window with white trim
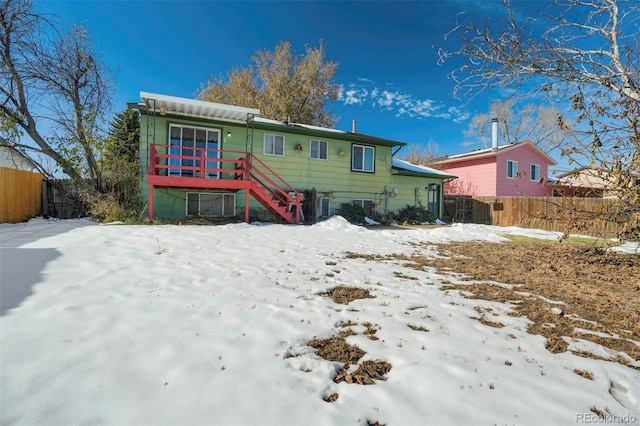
point(273, 145)
point(534, 173)
point(318, 150)
point(362, 158)
point(210, 204)
point(366, 204)
point(512, 169)
point(323, 207)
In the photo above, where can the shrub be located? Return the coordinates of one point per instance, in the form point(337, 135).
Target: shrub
point(414, 214)
point(354, 213)
point(106, 208)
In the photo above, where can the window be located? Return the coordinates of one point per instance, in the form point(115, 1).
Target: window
point(512, 169)
point(273, 145)
point(189, 143)
point(535, 172)
point(362, 158)
point(318, 150)
point(210, 204)
point(323, 207)
point(367, 205)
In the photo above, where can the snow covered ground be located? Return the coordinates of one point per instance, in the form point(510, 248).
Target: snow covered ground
point(208, 325)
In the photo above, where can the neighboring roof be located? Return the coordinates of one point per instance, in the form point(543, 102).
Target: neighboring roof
point(14, 159)
point(490, 152)
point(408, 169)
point(586, 177)
point(559, 181)
point(163, 104)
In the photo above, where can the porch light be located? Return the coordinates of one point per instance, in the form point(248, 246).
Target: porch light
point(298, 147)
point(341, 152)
point(228, 134)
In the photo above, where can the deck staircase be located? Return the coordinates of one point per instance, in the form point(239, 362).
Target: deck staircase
point(274, 202)
point(247, 173)
point(272, 192)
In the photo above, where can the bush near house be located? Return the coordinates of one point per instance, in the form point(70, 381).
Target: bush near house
point(354, 213)
point(414, 215)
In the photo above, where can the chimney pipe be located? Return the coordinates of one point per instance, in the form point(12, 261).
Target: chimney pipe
point(353, 126)
point(494, 133)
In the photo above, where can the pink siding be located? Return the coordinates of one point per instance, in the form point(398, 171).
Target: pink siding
point(522, 185)
point(487, 176)
point(475, 177)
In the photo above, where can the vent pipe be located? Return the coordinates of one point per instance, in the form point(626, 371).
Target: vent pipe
point(494, 133)
point(353, 126)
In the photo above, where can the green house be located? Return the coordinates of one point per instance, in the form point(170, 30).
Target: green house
point(203, 159)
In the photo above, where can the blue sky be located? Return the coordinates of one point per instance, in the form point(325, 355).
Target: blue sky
point(386, 51)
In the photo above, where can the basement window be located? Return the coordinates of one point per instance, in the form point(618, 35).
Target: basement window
point(366, 204)
point(210, 204)
point(323, 207)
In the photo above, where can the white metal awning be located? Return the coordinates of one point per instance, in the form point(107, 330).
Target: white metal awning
point(163, 104)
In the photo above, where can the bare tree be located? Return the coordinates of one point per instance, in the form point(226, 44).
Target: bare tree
point(53, 89)
point(284, 86)
point(535, 123)
point(422, 155)
point(584, 52)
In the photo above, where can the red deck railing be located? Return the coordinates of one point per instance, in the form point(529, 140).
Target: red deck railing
point(205, 168)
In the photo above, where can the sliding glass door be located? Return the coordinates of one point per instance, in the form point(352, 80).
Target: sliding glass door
point(190, 143)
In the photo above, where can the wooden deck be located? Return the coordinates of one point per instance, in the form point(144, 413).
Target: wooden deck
point(222, 169)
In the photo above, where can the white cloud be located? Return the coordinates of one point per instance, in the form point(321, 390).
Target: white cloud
point(402, 104)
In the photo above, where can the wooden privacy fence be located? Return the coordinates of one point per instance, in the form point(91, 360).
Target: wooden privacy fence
point(20, 195)
point(548, 213)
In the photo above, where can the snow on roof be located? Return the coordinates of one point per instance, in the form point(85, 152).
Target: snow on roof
point(305, 126)
point(475, 153)
point(405, 165)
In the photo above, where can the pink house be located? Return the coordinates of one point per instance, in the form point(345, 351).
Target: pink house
point(515, 170)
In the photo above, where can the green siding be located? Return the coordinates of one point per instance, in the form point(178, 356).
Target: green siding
point(331, 178)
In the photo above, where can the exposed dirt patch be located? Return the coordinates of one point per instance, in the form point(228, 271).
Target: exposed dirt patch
point(332, 398)
point(569, 289)
point(366, 373)
point(344, 295)
point(336, 349)
point(417, 327)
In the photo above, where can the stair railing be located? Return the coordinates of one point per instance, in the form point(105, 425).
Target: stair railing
point(281, 189)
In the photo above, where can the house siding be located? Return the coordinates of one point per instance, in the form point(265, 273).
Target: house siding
point(487, 175)
point(475, 177)
point(413, 192)
point(522, 185)
point(332, 178)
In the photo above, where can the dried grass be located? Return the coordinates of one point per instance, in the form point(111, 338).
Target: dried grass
point(344, 295)
point(560, 286)
point(597, 290)
point(336, 349)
